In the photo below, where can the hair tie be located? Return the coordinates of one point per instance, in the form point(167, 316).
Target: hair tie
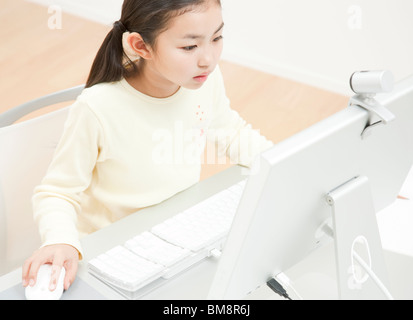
point(120, 25)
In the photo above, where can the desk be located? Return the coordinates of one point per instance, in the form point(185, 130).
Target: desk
point(124, 229)
point(314, 277)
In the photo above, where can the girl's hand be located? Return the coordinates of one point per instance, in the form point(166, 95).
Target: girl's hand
point(59, 255)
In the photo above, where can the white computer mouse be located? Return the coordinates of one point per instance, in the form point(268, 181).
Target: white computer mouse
point(40, 291)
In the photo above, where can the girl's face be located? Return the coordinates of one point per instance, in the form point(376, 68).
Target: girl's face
point(189, 50)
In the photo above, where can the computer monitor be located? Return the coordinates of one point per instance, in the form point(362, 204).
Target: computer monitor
point(332, 171)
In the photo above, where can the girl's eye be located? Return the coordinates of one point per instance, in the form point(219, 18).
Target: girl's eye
point(218, 38)
point(189, 48)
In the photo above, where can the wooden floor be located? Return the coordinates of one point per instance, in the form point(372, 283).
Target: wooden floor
point(36, 60)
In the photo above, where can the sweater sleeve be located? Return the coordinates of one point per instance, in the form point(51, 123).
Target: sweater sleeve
point(56, 201)
point(232, 135)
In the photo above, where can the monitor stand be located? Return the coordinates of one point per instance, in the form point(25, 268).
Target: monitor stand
point(356, 236)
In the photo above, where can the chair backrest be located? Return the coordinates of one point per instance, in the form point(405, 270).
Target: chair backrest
point(11, 116)
point(26, 150)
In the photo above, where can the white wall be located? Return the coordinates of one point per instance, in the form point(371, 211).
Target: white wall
point(319, 42)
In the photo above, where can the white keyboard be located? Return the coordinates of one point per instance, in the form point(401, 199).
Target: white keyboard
point(149, 259)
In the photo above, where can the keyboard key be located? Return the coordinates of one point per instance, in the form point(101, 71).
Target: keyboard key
point(151, 247)
point(122, 268)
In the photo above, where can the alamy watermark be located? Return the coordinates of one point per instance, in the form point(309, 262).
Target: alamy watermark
point(182, 146)
point(55, 21)
point(355, 20)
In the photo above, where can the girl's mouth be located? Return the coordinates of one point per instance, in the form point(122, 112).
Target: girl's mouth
point(201, 78)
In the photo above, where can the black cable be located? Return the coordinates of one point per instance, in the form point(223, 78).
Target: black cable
point(278, 288)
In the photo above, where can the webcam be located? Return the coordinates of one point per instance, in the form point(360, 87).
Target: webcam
point(366, 84)
point(371, 82)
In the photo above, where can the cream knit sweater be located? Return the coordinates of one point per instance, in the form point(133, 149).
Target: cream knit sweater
point(122, 150)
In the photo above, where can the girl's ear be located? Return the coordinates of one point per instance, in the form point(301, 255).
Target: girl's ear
point(136, 43)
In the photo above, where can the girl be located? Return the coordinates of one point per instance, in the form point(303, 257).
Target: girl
point(135, 135)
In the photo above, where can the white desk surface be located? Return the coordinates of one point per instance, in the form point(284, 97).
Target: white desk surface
point(313, 278)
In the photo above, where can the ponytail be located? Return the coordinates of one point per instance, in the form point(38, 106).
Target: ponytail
point(108, 63)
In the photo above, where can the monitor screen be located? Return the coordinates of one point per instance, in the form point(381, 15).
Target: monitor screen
point(284, 202)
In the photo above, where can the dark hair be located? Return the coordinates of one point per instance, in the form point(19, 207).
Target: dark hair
point(147, 17)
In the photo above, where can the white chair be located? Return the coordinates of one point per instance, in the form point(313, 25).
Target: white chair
point(26, 149)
